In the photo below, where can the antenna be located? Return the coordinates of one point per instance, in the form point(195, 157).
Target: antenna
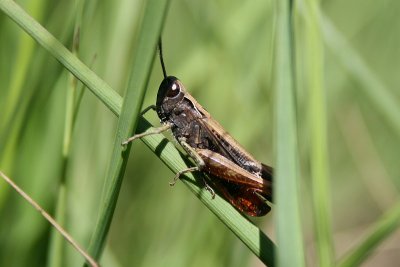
point(161, 58)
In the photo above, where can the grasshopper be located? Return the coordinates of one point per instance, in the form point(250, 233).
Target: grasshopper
point(229, 169)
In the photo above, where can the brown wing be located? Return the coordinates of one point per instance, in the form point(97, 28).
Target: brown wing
point(221, 167)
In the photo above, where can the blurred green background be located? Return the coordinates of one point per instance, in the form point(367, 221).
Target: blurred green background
point(223, 52)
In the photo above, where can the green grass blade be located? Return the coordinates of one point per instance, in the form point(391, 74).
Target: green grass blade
point(379, 232)
point(150, 31)
point(318, 133)
point(56, 248)
point(289, 234)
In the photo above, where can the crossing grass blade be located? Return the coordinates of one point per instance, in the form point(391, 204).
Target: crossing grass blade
point(152, 23)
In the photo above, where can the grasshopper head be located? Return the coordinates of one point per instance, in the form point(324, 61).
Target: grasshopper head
point(170, 93)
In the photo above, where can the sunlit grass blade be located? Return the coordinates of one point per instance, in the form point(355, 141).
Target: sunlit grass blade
point(318, 132)
point(289, 233)
point(378, 233)
point(151, 26)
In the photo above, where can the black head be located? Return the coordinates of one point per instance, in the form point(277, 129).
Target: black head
point(170, 93)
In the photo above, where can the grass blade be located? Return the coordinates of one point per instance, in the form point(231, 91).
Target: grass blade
point(151, 28)
point(289, 233)
point(318, 129)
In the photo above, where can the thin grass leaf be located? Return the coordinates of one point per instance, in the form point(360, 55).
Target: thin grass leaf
point(56, 247)
point(318, 133)
point(289, 234)
point(151, 26)
point(385, 226)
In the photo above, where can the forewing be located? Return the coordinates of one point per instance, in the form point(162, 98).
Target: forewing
point(221, 167)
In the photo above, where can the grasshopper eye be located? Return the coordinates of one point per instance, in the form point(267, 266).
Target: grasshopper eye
point(170, 89)
point(174, 90)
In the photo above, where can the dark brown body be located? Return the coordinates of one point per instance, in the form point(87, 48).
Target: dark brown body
point(232, 171)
